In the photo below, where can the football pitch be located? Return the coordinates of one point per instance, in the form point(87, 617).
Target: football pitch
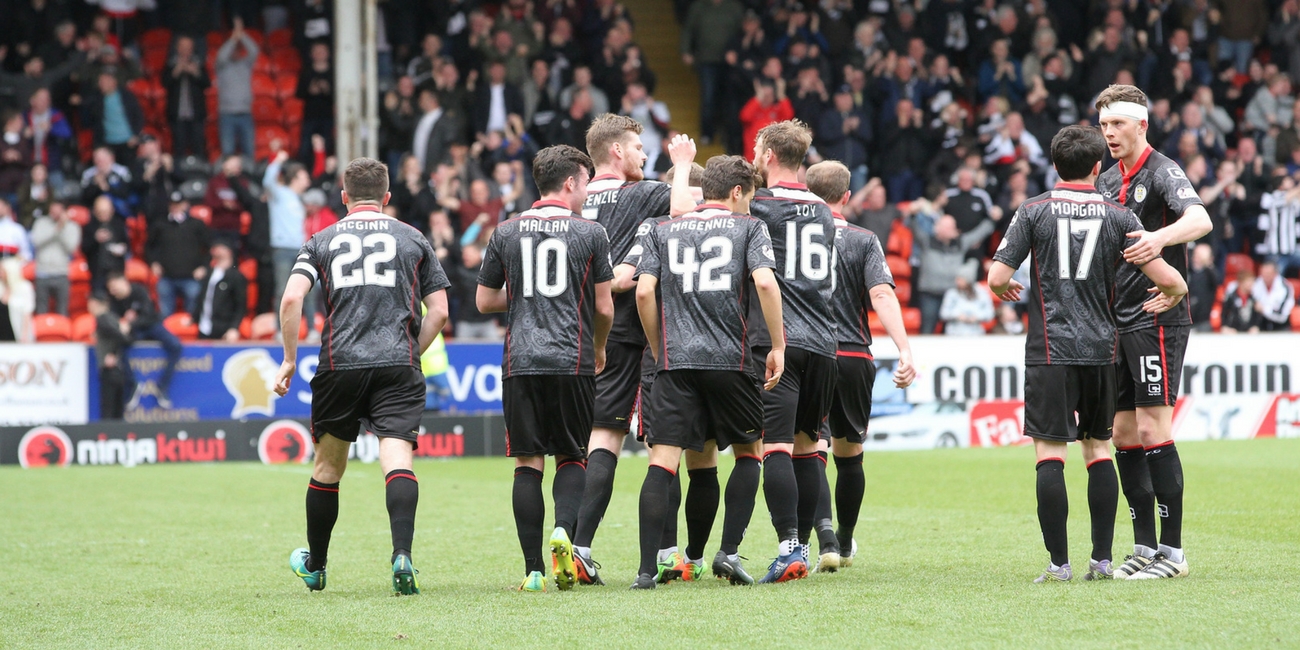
point(195, 556)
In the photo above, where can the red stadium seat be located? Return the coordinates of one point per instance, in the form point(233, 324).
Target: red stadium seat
point(286, 85)
point(182, 325)
point(83, 328)
point(903, 290)
point(264, 85)
point(900, 240)
point(215, 40)
point(245, 223)
point(85, 144)
point(1237, 262)
point(156, 38)
point(912, 320)
point(79, 214)
point(29, 271)
point(280, 38)
point(899, 266)
point(291, 110)
point(137, 271)
point(266, 110)
point(263, 327)
point(246, 328)
point(202, 213)
point(78, 271)
point(264, 65)
point(1295, 319)
point(248, 268)
point(51, 327)
point(873, 322)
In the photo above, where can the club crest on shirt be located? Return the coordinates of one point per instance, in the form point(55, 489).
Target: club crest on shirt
point(1140, 194)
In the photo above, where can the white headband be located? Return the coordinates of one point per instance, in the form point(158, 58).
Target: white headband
point(1125, 109)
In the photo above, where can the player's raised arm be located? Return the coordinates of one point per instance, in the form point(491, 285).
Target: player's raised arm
point(769, 297)
point(681, 150)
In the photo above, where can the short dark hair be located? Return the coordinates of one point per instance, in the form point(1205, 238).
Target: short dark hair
point(290, 170)
point(722, 173)
point(829, 180)
point(789, 140)
point(1075, 150)
point(555, 164)
point(693, 177)
point(366, 179)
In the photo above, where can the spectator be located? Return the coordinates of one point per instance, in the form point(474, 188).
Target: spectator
point(540, 99)
point(34, 196)
point(846, 136)
point(316, 90)
point(1288, 141)
point(112, 339)
point(1105, 60)
point(876, 214)
point(153, 177)
point(1241, 25)
point(186, 79)
point(15, 157)
point(15, 243)
point(1269, 111)
point(1279, 222)
point(965, 307)
point(34, 76)
point(471, 325)
point(500, 48)
point(1207, 139)
point(421, 68)
point(768, 106)
point(136, 311)
point(708, 30)
point(508, 182)
point(104, 243)
point(1202, 284)
point(177, 253)
point(55, 239)
point(115, 117)
point(223, 292)
point(811, 98)
point(225, 198)
point(1000, 74)
point(943, 257)
point(1284, 38)
point(582, 81)
point(969, 205)
point(285, 185)
point(1239, 312)
point(452, 94)
point(653, 117)
point(571, 127)
point(1274, 299)
point(495, 101)
point(1009, 321)
point(234, 69)
point(443, 238)
point(50, 132)
point(105, 177)
point(434, 133)
point(904, 152)
point(1014, 149)
point(397, 120)
point(480, 207)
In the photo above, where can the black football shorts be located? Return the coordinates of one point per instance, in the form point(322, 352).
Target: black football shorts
point(851, 408)
point(1055, 394)
point(802, 399)
point(1149, 366)
point(644, 414)
point(387, 401)
point(693, 406)
point(548, 415)
point(617, 386)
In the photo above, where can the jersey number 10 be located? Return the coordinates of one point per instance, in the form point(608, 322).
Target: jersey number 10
point(1065, 228)
point(552, 259)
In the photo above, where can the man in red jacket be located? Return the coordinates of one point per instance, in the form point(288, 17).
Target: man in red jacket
point(768, 106)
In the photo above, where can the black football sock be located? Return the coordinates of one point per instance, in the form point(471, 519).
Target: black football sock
point(1103, 499)
point(322, 512)
point(1167, 481)
point(1135, 478)
point(566, 492)
point(402, 492)
point(782, 492)
point(822, 522)
point(701, 509)
point(669, 539)
point(742, 491)
point(601, 464)
point(1053, 509)
point(530, 516)
point(850, 485)
point(653, 514)
point(809, 472)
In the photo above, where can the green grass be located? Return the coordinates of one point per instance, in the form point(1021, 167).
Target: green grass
point(196, 556)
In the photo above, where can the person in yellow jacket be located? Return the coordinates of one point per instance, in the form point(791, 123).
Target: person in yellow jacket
point(434, 364)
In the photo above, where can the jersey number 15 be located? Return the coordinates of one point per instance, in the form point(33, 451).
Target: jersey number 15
point(1065, 229)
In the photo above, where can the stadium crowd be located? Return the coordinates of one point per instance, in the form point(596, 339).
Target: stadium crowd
point(186, 165)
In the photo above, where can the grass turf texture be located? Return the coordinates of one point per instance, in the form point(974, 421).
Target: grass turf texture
point(196, 556)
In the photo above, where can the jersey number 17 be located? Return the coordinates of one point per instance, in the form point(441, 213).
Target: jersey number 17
point(1065, 229)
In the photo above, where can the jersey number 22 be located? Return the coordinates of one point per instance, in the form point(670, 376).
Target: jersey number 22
point(384, 250)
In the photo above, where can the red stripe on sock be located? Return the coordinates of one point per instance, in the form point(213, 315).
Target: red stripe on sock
point(670, 471)
point(1052, 458)
point(776, 451)
point(1163, 444)
point(404, 475)
point(571, 461)
point(1133, 448)
point(805, 455)
point(739, 456)
point(1099, 460)
point(322, 489)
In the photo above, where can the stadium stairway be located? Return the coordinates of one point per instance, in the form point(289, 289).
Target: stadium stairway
point(658, 34)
